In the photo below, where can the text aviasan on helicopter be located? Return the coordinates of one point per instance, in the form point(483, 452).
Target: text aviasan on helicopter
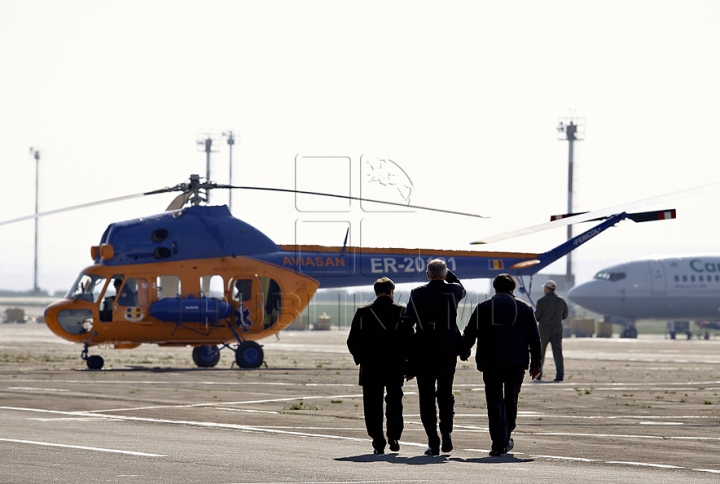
point(152, 278)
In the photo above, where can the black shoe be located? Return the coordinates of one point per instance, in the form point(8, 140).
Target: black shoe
point(394, 445)
point(558, 379)
point(510, 446)
point(432, 451)
point(446, 443)
point(379, 446)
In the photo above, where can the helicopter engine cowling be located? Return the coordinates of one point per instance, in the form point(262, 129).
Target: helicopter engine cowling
point(146, 251)
point(207, 310)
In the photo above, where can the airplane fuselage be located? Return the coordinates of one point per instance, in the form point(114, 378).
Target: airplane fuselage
point(662, 288)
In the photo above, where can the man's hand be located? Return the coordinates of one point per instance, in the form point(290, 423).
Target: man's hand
point(451, 277)
point(535, 372)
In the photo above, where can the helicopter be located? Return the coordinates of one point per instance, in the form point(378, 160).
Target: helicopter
point(197, 276)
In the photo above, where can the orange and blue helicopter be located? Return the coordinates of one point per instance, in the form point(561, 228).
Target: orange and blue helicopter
point(152, 278)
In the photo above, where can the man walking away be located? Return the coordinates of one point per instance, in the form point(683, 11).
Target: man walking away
point(377, 343)
point(551, 310)
point(506, 331)
point(432, 312)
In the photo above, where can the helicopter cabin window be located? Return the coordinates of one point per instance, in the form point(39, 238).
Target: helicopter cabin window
point(272, 300)
point(212, 286)
point(168, 286)
point(242, 290)
point(133, 293)
point(88, 287)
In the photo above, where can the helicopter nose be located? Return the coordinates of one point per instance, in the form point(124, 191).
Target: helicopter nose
point(67, 321)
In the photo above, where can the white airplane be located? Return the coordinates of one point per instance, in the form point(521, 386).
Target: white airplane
point(676, 289)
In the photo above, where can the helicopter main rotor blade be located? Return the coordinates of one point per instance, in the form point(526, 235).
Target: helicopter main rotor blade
point(178, 202)
point(346, 197)
point(584, 217)
point(74, 207)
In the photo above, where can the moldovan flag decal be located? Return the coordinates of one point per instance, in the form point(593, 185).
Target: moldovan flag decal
point(496, 264)
point(133, 314)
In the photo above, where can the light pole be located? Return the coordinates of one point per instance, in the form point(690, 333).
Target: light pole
point(569, 130)
point(36, 154)
point(207, 142)
point(230, 141)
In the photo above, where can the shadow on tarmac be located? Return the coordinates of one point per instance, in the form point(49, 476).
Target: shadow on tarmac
point(163, 369)
point(396, 459)
point(428, 460)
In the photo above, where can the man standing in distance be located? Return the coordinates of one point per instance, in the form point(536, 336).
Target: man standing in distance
point(432, 312)
point(551, 310)
point(506, 331)
point(378, 344)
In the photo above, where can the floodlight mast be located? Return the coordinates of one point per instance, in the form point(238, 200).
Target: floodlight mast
point(230, 141)
point(36, 154)
point(207, 144)
point(568, 131)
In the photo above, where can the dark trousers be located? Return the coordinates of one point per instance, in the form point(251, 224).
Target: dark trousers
point(552, 334)
point(436, 384)
point(502, 387)
point(373, 409)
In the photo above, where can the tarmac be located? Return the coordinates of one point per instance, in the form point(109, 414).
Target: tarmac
point(643, 410)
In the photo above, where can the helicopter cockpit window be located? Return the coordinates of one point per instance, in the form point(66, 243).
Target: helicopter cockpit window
point(242, 290)
point(212, 286)
point(272, 300)
point(168, 286)
point(88, 287)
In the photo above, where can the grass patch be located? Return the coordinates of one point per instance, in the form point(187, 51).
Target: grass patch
point(301, 406)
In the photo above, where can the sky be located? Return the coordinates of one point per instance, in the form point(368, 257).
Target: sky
point(464, 98)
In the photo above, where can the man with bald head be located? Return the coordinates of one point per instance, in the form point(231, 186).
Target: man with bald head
point(432, 313)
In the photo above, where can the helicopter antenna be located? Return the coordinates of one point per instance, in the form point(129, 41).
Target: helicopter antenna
point(344, 248)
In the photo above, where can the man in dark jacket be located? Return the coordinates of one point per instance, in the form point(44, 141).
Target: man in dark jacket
point(432, 312)
point(506, 331)
point(551, 310)
point(378, 344)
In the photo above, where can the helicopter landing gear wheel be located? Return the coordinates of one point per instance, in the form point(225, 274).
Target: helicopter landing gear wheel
point(95, 362)
point(249, 354)
point(206, 356)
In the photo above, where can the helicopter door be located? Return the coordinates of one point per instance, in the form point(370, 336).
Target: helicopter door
point(272, 301)
point(247, 302)
point(131, 301)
